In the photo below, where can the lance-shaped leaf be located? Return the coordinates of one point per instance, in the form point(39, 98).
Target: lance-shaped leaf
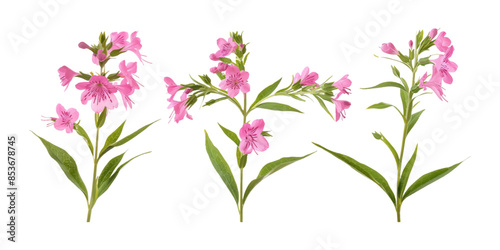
point(277, 106)
point(364, 170)
point(428, 178)
point(380, 136)
point(124, 140)
point(380, 105)
point(113, 137)
point(221, 167)
point(101, 118)
point(414, 119)
point(387, 84)
point(231, 135)
point(213, 101)
point(79, 129)
point(265, 93)
point(322, 104)
point(107, 183)
point(67, 164)
point(269, 169)
point(406, 173)
point(108, 170)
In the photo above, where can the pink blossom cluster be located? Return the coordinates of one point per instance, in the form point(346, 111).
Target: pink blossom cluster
point(442, 65)
point(99, 90)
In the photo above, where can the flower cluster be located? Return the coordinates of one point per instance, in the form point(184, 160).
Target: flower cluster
point(101, 88)
point(442, 65)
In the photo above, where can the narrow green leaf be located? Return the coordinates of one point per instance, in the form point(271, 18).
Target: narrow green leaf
point(242, 158)
point(414, 119)
point(387, 84)
point(265, 93)
point(109, 169)
point(112, 178)
point(428, 178)
point(277, 106)
point(213, 101)
point(322, 104)
point(406, 173)
point(380, 105)
point(79, 130)
point(113, 137)
point(269, 169)
point(221, 167)
point(395, 71)
point(391, 148)
point(231, 135)
point(125, 139)
point(67, 164)
point(102, 118)
point(225, 60)
point(404, 99)
point(364, 170)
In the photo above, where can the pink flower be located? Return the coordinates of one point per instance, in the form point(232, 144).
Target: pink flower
point(66, 118)
point(343, 85)
point(410, 43)
point(434, 83)
point(235, 81)
point(100, 91)
point(66, 75)
point(180, 108)
point(225, 47)
point(389, 48)
point(340, 107)
point(135, 46)
point(433, 33)
point(127, 71)
point(125, 91)
point(221, 67)
point(444, 66)
point(251, 137)
point(119, 40)
point(442, 42)
point(172, 88)
point(99, 57)
point(306, 78)
point(214, 57)
point(83, 45)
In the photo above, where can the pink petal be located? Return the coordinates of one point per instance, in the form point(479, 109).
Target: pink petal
point(245, 87)
point(258, 124)
point(261, 143)
point(232, 92)
point(244, 75)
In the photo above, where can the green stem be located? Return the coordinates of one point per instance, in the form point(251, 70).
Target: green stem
point(94, 191)
point(241, 194)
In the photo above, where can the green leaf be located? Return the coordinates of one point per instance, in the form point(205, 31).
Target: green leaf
point(406, 173)
point(387, 84)
point(225, 60)
point(395, 71)
point(84, 76)
point(102, 118)
point(67, 164)
point(213, 101)
point(79, 129)
point(265, 93)
point(380, 105)
point(269, 169)
point(206, 79)
point(322, 104)
point(242, 158)
point(404, 99)
point(109, 169)
point(391, 148)
point(428, 178)
point(116, 52)
point(277, 106)
point(221, 167)
point(231, 135)
point(111, 179)
point(364, 170)
point(124, 140)
point(414, 119)
point(424, 61)
point(112, 138)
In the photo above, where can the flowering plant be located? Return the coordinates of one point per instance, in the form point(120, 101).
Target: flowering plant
point(100, 88)
point(252, 135)
point(441, 69)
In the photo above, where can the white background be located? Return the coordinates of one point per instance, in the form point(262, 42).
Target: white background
point(317, 203)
